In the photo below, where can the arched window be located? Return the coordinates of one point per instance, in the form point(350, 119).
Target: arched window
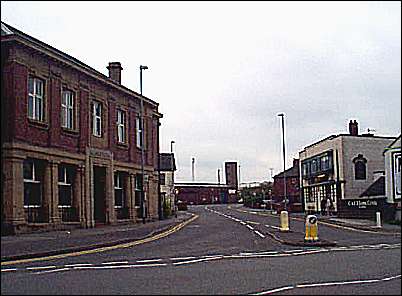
point(360, 167)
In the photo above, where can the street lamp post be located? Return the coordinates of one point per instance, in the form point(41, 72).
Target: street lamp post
point(284, 158)
point(173, 189)
point(143, 200)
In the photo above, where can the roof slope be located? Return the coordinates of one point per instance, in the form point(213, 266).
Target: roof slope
point(375, 189)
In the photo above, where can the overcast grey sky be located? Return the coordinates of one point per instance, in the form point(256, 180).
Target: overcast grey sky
point(222, 71)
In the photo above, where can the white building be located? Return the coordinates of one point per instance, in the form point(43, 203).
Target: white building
point(342, 167)
point(167, 167)
point(393, 164)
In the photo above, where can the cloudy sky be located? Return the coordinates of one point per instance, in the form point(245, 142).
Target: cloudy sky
point(222, 71)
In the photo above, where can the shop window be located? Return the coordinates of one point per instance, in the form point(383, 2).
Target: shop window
point(65, 186)
point(118, 190)
point(32, 184)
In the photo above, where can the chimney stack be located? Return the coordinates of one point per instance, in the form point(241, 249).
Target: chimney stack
point(115, 71)
point(295, 162)
point(353, 128)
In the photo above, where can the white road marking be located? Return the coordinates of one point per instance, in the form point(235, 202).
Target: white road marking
point(9, 269)
point(252, 222)
point(275, 227)
point(54, 270)
point(260, 234)
point(198, 260)
point(328, 284)
point(391, 278)
point(41, 267)
point(79, 264)
point(120, 266)
point(111, 263)
point(212, 256)
point(149, 260)
point(274, 290)
point(249, 227)
point(243, 223)
point(292, 251)
point(182, 258)
point(308, 252)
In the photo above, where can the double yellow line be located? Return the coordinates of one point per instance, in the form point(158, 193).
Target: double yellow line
point(104, 249)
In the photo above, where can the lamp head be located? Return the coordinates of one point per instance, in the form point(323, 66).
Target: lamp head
point(143, 67)
point(281, 114)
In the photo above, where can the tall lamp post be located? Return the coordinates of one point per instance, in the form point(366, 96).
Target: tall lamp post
point(172, 167)
point(284, 158)
point(143, 200)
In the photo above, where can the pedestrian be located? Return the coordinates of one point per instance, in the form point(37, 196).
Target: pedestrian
point(328, 206)
point(323, 204)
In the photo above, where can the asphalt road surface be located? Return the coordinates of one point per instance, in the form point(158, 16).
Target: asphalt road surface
point(224, 251)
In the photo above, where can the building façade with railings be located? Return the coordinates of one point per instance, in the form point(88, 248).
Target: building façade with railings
point(71, 141)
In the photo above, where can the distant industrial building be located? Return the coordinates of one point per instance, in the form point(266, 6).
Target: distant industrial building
point(210, 193)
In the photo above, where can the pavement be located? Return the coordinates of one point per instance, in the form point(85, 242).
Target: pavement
point(39, 244)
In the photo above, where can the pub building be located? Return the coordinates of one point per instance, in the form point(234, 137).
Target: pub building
point(72, 141)
point(342, 168)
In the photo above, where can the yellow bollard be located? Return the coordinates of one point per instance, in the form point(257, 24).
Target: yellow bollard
point(284, 221)
point(307, 236)
point(311, 229)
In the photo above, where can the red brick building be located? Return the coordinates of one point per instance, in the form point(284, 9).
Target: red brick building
point(202, 193)
point(71, 141)
point(291, 177)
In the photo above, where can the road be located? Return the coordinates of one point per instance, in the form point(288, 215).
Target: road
point(226, 250)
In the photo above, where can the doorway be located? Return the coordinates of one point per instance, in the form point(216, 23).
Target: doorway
point(99, 189)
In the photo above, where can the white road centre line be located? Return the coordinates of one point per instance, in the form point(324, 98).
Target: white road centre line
point(9, 269)
point(54, 270)
point(116, 262)
point(149, 260)
point(243, 223)
point(41, 267)
point(249, 227)
point(259, 233)
point(252, 222)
